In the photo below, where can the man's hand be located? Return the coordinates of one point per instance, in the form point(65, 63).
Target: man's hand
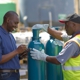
point(24, 54)
point(41, 26)
point(38, 55)
point(21, 49)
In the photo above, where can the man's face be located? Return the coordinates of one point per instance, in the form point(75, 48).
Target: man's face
point(12, 23)
point(69, 28)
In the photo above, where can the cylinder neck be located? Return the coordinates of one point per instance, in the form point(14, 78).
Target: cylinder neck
point(35, 33)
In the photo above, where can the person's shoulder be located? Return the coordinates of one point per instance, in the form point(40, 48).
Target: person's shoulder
point(0, 28)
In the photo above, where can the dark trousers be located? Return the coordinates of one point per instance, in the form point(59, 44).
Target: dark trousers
point(9, 76)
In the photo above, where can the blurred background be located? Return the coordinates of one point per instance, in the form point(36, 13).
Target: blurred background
point(39, 11)
point(33, 12)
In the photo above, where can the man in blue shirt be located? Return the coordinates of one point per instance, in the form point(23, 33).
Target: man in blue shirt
point(9, 53)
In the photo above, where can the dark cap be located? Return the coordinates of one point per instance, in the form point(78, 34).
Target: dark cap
point(74, 18)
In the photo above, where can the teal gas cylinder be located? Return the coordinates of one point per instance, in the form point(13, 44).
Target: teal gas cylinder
point(51, 69)
point(36, 69)
point(59, 46)
point(53, 47)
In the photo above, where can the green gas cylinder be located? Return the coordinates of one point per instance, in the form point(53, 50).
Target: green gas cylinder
point(36, 69)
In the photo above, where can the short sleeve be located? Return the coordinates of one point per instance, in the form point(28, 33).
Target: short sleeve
point(67, 52)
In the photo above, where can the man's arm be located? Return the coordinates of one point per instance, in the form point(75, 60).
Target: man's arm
point(70, 50)
point(56, 34)
point(52, 59)
point(67, 52)
point(10, 55)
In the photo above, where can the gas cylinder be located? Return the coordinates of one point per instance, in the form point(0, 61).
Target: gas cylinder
point(53, 47)
point(59, 46)
point(51, 69)
point(36, 68)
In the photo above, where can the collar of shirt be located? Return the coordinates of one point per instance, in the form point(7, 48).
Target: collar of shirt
point(78, 32)
point(4, 31)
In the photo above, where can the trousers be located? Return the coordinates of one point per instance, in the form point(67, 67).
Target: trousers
point(9, 76)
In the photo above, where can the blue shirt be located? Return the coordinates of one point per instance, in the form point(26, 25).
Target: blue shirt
point(7, 45)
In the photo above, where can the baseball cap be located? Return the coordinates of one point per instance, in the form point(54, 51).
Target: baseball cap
point(74, 18)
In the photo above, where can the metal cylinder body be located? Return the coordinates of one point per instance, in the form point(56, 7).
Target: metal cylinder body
point(59, 67)
point(36, 69)
point(54, 72)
